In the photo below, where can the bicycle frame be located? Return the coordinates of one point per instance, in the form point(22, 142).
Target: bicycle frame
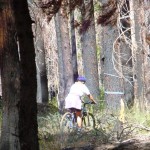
point(68, 121)
point(84, 110)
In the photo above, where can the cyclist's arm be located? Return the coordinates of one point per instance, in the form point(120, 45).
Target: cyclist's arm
point(87, 92)
point(91, 98)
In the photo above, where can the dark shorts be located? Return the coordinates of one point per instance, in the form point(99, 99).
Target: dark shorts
point(77, 111)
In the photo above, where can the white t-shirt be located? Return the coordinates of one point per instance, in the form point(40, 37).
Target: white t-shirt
point(73, 100)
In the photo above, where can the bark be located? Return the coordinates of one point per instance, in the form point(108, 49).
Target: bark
point(113, 87)
point(73, 46)
point(28, 128)
point(10, 81)
point(125, 53)
point(88, 43)
point(137, 54)
point(42, 83)
point(1, 43)
point(65, 59)
point(126, 63)
point(61, 88)
point(145, 22)
point(50, 44)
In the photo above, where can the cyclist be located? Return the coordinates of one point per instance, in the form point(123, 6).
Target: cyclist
point(73, 100)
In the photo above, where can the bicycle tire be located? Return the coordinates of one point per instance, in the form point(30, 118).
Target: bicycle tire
point(88, 121)
point(66, 131)
point(65, 126)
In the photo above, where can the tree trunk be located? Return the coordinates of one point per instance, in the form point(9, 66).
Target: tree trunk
point(73, 46)
point(42, 83)
point(113, 87)
point(124, 53)
point(51, 53)
point(137, 53)
point(61, 88)
point(88, 43)
point(65, 59)
point(28, 128)
point(10, 81)
point(145, 23)
point(1, 43)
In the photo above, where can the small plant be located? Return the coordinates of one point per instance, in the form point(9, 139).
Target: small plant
point(49, 127)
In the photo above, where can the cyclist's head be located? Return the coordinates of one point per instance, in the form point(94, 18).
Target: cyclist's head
point(81, 78)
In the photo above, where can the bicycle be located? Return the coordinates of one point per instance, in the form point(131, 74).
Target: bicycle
point(68, 122)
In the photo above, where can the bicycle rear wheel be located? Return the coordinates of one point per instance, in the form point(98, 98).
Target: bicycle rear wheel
point(88, 121)
point(66, 129)
point(66, 124)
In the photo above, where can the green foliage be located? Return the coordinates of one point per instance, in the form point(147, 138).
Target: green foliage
point(49, 126)
point(108, 128)
point(0, 102)
point(46, 109)
point(48, 129)
point(102, 93)
point(138, 117)
point(97, 7)
point(79, 16)
point(101, 101)
point(53, 104)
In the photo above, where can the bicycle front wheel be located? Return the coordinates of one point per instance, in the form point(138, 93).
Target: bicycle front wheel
point(88, 121)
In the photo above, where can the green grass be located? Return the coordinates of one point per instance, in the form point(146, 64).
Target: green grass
point(49, 127)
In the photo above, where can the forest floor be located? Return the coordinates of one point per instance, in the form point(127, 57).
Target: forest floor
point(110, 134)
point(137, 143)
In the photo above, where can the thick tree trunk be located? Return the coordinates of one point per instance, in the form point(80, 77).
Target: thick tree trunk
point(89, 53)
point(51, 55)
point(113, 87)
point(65, 59)
point(124, 53)
point(28, 128)
point(61, 88)
point(145, 23)
point(10, 81)
point(112, 81)
point(137, 53)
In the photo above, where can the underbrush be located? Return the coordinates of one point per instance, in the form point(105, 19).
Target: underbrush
point(49, 128)
point(109, 129)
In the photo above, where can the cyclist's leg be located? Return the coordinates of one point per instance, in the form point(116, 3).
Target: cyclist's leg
point(73, 112)
point(79, 119)
point(77, 116)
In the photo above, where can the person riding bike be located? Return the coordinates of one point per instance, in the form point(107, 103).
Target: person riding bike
point(73, 100)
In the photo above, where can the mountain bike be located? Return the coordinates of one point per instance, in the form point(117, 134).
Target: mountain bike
point(68, 122)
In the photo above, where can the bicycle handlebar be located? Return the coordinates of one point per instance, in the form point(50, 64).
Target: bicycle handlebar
point(87, 102)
